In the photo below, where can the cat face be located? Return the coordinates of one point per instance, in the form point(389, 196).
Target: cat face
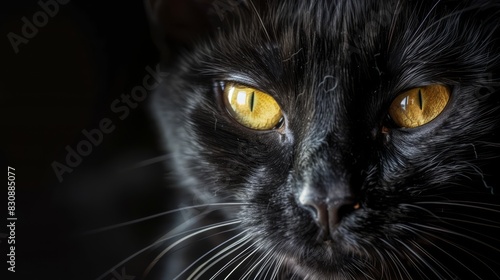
point(360, 137)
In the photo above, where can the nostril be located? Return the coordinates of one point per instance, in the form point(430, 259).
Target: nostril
point(311, 209)
point(329, 214)
point(342, 208)
point(318, 210)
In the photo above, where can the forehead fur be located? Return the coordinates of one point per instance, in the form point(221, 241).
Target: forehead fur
point(320, 53)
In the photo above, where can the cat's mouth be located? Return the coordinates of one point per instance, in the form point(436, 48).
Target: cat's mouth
point(293, 268)
point(317, 259)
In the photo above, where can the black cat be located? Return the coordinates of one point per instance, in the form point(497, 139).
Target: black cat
point(331, 139)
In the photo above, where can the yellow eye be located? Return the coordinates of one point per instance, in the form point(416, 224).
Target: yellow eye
point(419, 106)
point(252, 108)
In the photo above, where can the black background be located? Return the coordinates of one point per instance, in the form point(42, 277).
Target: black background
point(62, 81)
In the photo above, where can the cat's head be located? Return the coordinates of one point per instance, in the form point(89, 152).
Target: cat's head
point(362, 136)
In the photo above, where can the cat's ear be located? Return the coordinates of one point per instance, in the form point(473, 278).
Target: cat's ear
point(176, 23)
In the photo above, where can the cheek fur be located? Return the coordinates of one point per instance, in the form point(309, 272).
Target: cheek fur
point(424, 202)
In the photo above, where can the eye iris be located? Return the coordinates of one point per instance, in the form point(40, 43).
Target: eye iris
point(252, 108)
point(419, 106)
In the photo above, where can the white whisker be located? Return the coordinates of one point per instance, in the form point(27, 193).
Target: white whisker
point(395, 260)
point(278, 267)
point(356, 265)
point(213, 250)
point(205, 229)
point(148, 162)
point(414, 232)
point(242, 262)
point(236, 258)
point(490, 223)
point(271, 262)
point(468, 204)
point(161, 240)
point(265, 258)
point(456, 234)
point(418, 257)
point(260, 19)
point(454, 245)
point(436, 261)
point(204, 267)
point(95, 231)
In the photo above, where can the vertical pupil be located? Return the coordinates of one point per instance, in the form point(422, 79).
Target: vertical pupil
point(252, 101)
point(420, 100)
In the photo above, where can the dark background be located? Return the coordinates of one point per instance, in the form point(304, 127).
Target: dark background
point(62, 81)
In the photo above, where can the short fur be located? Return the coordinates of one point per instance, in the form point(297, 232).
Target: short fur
point(428, 195)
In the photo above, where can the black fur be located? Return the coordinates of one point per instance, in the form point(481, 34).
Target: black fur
point(428, 195)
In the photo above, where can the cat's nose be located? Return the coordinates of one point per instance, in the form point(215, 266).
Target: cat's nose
point(328, 212)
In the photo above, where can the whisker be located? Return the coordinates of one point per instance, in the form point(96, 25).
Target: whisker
point(468, 204)
point(213, 250)
point(242, 262)
point(218, 257)
point(271, 262)
point(283, 259)
point(263, 258)
point(356, 264)
point(490, 223)
point(182, 228)
point(239, 256)
point(419, 258)
point(147, 162)
point(429, 212)
point(381, 259)
point(436, 261)
point(470, 220)
point(457, 234)
point(159, 241)
point(413, 231)
point(395, 260)
point(99, 230)
point(236, 258)
point(219, 225)
point(197, 231)
point(260, 20)
point(456, 246)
